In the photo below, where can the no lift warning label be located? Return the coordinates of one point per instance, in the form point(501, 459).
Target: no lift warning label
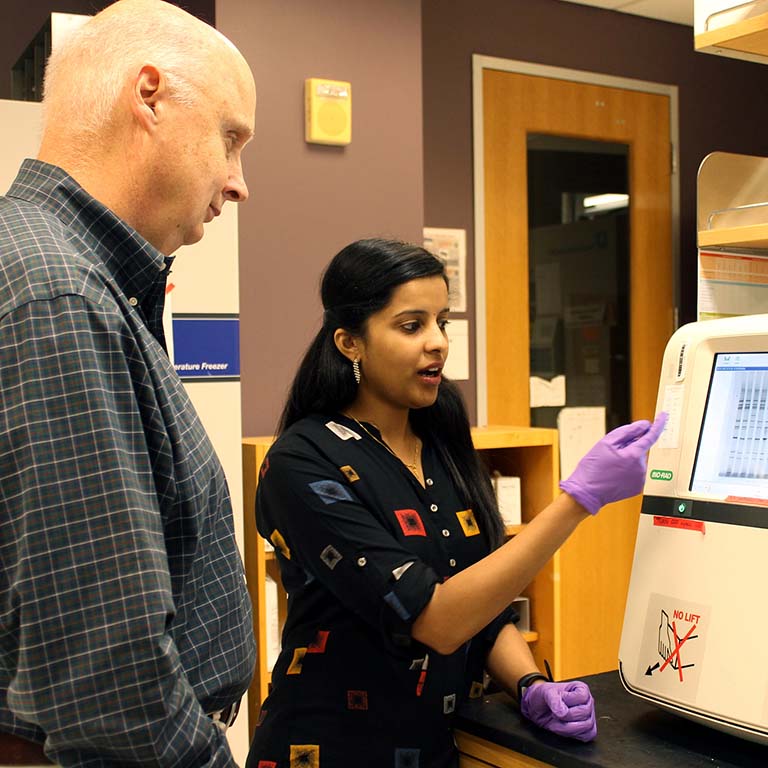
point(672, 648)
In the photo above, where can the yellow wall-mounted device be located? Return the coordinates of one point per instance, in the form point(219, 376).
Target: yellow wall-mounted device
point(328, 111)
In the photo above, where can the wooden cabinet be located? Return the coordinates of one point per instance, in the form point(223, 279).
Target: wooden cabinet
point(735, 29)
point(475, 752)
point(732, 202)
point(529, 453)
point(732, 189)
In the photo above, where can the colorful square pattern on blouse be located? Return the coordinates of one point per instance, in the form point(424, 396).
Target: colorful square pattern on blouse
point(468, 522)
point(330, 491)
point(349, 473)
point(305, 756)
point(410, 522)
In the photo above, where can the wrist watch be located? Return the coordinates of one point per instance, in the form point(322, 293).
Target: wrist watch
point(525, 682)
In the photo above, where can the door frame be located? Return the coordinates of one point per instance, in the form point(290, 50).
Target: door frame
point(480, 63)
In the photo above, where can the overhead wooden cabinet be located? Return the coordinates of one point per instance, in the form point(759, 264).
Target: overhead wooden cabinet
point(732, 189)
point(735, 29)
point(732, 202)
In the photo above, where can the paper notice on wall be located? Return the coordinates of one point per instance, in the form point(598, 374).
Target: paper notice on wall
point(450, 246)
point(578, 429)
point(544, 392)
point(457, 363)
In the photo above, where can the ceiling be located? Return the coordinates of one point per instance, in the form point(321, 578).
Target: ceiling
point(677, 11)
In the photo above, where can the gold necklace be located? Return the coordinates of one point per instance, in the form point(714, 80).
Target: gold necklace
point(413, 467)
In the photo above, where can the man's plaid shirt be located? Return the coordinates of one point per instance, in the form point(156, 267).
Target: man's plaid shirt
point(124, 616)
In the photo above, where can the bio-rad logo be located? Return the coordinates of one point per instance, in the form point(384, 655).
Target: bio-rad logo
point(661, 474)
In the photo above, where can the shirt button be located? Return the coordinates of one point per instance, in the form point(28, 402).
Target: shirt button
point(446, 532)
point(433, 507)
point(361, 561)
point(452, 563)
point(133, 301)
point(429, 481)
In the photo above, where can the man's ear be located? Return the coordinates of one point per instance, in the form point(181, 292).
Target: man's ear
point(149, 90)
point(347, 344)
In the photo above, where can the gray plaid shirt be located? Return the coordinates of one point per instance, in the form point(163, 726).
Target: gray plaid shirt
point(124, 616)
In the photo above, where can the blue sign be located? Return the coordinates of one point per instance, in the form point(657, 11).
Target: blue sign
point(207, 347)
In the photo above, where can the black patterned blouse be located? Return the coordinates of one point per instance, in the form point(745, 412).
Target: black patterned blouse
point(361, 545)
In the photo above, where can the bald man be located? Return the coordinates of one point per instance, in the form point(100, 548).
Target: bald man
point(125, 624)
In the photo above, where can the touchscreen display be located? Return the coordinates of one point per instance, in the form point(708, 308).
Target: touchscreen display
point(732, 455)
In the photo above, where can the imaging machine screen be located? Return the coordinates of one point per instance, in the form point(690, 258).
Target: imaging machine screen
point(732, 456)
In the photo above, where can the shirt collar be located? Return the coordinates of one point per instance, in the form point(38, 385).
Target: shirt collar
point(131, 259)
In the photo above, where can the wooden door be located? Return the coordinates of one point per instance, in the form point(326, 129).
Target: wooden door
point(591, 572)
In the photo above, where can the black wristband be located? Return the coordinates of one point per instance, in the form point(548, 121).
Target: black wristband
point(525, 681)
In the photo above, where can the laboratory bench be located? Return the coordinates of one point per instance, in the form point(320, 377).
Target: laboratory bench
point(631, 734)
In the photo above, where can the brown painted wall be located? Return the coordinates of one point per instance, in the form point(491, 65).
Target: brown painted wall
point(21, 20)
point(307, 201)
point(722, 101)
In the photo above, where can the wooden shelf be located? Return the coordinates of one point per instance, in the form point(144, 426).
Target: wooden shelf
point(751, 236)
point(485, 438)
point(749, 36)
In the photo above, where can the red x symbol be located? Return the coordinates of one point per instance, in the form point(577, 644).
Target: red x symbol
point(676, 650)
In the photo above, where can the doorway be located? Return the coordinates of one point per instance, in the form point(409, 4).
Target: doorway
point(546, 307)
point(578, 276)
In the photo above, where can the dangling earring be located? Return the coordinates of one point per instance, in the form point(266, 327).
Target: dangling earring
point(356, 370)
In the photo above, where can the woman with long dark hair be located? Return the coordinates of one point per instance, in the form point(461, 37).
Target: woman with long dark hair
point(389, 539)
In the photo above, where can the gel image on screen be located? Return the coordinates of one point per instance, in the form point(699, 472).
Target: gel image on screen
point(732, 457)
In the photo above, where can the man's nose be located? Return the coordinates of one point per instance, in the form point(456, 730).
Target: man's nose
point(236, 190)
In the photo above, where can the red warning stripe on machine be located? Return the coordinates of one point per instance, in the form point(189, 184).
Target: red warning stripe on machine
point(679, 522)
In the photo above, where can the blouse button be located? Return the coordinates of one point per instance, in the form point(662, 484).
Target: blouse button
point(361, 561)
point(433, 507)
point(452, 563)
point(133, 301)
point(429, 481)
point(446, 532)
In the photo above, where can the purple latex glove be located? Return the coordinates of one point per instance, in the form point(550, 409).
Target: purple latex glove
point(566, 709)
point(615, 466)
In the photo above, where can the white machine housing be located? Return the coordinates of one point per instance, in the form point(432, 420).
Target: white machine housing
point(695, 634)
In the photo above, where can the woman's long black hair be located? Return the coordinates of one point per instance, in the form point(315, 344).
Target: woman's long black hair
point(360, 281)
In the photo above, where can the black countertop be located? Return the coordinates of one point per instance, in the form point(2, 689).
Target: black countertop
point(630, 733)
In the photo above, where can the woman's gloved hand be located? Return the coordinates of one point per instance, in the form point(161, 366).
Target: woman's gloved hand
point(615, 466)
point(566, 709)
